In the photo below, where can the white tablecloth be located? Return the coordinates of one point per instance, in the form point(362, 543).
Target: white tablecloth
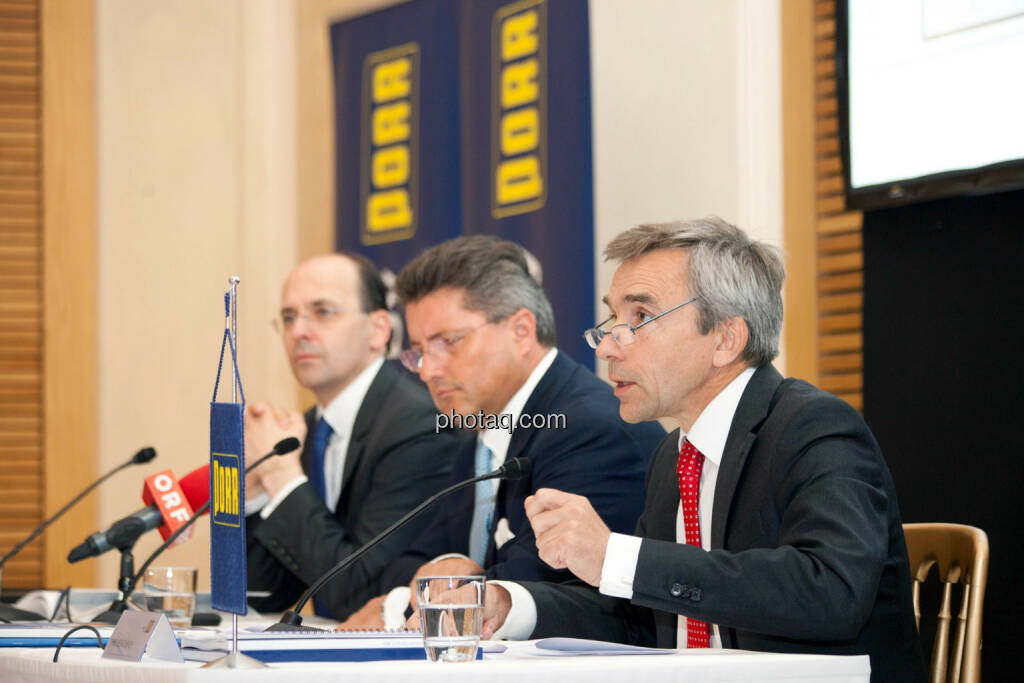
point(33, 665)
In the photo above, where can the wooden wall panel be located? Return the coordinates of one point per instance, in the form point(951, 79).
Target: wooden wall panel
point(839, 245)
point(21, 299)
point(68, 106)
point(798, 188)
point(823, 239)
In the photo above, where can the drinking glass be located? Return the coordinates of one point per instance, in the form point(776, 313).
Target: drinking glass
point(171, 590)
point(451, 612)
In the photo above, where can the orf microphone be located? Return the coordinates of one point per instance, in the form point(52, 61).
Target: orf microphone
point(195, 486)
point(143, 456)
point(516, 468)
point(280, 448)
point(200, 479)
point(124, 532)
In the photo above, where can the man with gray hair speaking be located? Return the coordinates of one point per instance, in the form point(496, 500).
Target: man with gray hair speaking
point(771, 520)
point(482, 338)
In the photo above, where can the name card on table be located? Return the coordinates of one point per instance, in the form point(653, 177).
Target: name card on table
point(138, 632)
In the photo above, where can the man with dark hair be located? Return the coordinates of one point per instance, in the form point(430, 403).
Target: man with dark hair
point(373, 452)
point(771, 520)
point(482, 337)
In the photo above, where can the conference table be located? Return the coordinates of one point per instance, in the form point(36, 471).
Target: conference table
point(19, 664)
point(33, 665)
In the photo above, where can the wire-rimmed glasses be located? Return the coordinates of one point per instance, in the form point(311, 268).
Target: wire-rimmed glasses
point(319, 315)
point(438, 346)
point(623, 334)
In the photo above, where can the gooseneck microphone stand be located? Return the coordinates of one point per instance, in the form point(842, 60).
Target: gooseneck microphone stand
point(10, 613)
point(127, 585)
point(516, 468)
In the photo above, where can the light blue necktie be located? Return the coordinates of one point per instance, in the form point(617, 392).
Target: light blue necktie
point(483, 510)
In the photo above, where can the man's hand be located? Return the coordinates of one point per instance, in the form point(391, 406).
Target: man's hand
point(569, 533)
point(497, 604)
point(369, 616)
point(449, 566)
point(265, 425)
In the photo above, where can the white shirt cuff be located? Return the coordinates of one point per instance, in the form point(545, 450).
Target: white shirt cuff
point(448, 556)
point(395, 604)
point(620, 558)
point(295, 483)
point(522, 618)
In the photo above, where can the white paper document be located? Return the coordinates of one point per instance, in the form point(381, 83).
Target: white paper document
point(569, 647)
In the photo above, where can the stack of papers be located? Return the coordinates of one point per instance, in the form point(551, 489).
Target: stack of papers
point(306, 646)
point(49, 633)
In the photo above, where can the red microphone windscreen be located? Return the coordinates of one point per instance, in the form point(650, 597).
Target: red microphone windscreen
point(165, 493)
point(196, 486)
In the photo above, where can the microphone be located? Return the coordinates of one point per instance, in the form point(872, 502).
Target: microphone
point(124, 532)
point(195, 492)
point(516, 468)
point(199, 478)
point(280, 448)
point(11, 614)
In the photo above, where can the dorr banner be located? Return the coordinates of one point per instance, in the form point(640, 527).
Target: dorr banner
point(470, 117)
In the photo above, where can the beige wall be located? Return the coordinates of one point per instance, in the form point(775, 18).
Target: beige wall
point(687, 117)
point(316, 116)
point(215, 158)
point(196, 182)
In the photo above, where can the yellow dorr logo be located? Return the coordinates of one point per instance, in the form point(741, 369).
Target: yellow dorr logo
point(389, 132)
point(226, 500)
point(518, 137)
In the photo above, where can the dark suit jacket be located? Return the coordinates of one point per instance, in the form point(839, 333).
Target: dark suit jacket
point(394, 461)
point(807, 545)
point(597, 455)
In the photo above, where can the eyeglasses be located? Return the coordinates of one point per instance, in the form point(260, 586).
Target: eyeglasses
point(627, 334)
point(439, 346)
point(320, 315)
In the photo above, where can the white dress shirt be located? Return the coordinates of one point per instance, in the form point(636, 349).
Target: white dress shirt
point(340, 414)
point(708, 435)
point(498, 440)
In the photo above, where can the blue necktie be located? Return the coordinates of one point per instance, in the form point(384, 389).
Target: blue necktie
point(483, 510)
point(321, 435)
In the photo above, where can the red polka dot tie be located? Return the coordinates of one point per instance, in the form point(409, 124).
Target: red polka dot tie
point(691, 462)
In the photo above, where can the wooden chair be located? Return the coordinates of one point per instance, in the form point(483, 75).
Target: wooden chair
point(960, 554)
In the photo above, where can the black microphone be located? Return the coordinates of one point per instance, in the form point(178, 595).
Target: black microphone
point(126, 531)
point(516, 468)
point(196, 487)
point(143, 456)
point(280, 448)
point(112, 615)
point(9, 613)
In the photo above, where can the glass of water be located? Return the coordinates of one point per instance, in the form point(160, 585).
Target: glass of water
point(171, 590)
point(451, 612)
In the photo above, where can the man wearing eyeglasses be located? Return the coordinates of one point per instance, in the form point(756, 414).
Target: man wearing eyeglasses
point(372, 452)
point(482, 338)
point(771, 520)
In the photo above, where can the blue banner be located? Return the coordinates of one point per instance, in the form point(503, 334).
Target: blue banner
point(524, 73)
point(396, 102)
point(470, 117)
point(228, 578)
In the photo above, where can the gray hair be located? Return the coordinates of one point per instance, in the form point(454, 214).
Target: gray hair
point(731, 274)
point(493, 273)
